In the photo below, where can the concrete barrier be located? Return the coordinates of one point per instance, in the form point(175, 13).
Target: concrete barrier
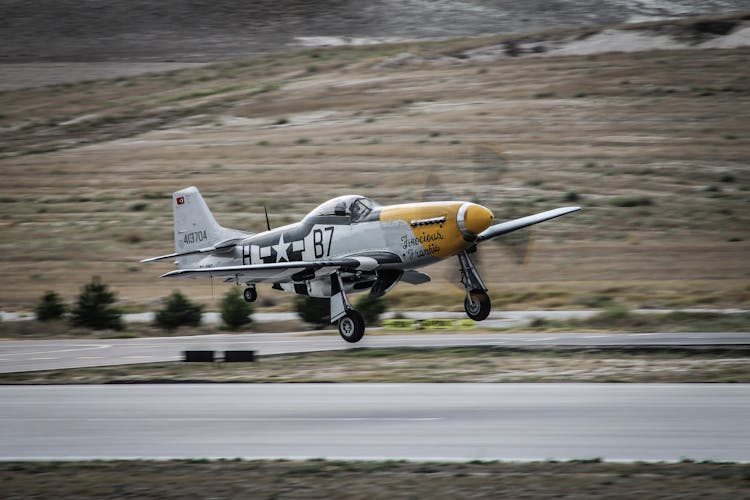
point(198, 356)
point(239, 356)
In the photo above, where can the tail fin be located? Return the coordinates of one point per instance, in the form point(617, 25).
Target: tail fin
point(196, 232)
point(194, 225)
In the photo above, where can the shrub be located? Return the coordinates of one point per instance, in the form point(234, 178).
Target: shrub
point(597, 301)
point(538, 323)
point(633, 201)
point(572, 196)
point(94, 308)
point(139, 206)
point(371, 308)
point(313, 310)
point(50, 307)
point(317, 311)
point(613, 313)
point(235, 310)
point(178, 311)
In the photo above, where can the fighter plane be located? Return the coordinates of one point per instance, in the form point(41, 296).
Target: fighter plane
point(346, 245)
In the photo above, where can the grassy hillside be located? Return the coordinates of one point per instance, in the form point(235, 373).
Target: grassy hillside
point(654, 145)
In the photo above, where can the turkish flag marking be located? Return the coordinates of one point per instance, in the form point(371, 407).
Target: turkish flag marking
point(181, 200)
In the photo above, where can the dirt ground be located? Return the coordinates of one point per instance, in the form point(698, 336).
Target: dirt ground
point(466, 364)
point(364, 480)
point(654, 145)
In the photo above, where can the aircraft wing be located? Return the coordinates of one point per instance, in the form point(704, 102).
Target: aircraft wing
point(513, 225)
point(280, 272)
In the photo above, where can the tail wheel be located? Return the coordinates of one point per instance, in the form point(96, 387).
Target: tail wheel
point(250, 294)
point(477, 306)
point(352, 326)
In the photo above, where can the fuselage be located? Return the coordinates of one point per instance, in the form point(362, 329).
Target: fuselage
point(399, 237)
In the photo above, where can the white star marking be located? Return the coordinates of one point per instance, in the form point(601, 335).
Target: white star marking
point(281, 249)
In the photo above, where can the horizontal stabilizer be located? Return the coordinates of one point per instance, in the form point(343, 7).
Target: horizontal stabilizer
point(513, 225)
point(222, 245)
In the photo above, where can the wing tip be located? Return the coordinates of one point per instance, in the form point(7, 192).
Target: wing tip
point(572, 208)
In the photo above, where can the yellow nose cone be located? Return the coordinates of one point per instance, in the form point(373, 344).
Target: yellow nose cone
point(473, 219)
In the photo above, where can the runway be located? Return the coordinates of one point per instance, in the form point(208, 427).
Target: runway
point(29, 355)
point(620, 422)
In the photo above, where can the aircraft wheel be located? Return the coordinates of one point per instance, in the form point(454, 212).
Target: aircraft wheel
point(250, 294)
point(352, 326)
point(477, 306)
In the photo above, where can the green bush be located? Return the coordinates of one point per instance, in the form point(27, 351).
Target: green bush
point(178, 311)
point(94, 308)
point(50, 307)
point(614, 313)
point(572, 196)
point(317, 311)
point(313, 310)
point(633, 201)
point(371, 308)
point(235, 310)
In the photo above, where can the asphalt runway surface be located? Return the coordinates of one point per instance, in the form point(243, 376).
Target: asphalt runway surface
point(619, 422)
point(29, 355)
point(52, 354)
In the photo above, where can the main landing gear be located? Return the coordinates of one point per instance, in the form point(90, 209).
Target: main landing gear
point(477, 302)
point(350, 321)
point(352, 326)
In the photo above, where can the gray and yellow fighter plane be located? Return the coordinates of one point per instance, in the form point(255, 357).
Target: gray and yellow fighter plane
point(346, 245)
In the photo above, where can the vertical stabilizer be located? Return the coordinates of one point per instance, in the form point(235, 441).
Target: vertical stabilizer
point(194, 225)
point(197, 235)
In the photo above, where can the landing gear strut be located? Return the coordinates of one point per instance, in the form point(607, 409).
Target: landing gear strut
point(477, 303)
point(250, 294)
point(351, 322)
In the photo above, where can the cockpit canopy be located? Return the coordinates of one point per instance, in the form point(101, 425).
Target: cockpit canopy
point(353, 206)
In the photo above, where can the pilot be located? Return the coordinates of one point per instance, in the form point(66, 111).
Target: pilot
point(341, 208)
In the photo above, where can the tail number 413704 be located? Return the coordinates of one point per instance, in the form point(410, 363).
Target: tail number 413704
point(195, 237)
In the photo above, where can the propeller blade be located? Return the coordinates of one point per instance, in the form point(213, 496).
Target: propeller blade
point(518, 245)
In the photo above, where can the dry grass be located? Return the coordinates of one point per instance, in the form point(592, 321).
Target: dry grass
point(61, 329)
point(469, 364)
point(359, 480)
point(654, 145)
point(612, 318)
point(619, 319)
